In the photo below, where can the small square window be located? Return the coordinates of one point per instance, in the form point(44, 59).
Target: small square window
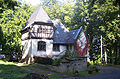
point(56, 47)
point(41, 46)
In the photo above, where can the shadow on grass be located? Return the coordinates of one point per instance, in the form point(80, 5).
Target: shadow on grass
point(12, 72)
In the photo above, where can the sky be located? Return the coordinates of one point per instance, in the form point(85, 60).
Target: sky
point(34, 2)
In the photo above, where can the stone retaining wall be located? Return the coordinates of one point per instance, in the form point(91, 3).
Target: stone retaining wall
point(71, 65)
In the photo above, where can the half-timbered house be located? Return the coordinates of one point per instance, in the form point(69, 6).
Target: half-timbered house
point(43, 37)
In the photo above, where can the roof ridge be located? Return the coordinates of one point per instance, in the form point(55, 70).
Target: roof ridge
point(37, 12)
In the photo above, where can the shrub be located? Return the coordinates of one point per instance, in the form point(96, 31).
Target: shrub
point(69, 54)
point(46, 61)
point(92, 68)
point(56, 62)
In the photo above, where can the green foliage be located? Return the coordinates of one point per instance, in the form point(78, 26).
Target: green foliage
point(98, 17)
point(62, 11)
point(92, 69)
point(69, 54)
point(10, 71)
point(46, 61)
point(11, 22)
point(56, 62)
point(51, 76)
point(96, 61)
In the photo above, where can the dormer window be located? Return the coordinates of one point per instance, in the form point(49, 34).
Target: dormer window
point(41, 46)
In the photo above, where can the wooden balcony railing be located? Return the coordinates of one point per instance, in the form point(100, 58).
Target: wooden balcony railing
point(41, 35)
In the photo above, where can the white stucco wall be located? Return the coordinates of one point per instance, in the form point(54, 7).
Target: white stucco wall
point(49, 48)
point(25, 35)
point(62, 48)
point(27, 50)
point(48, 51)
point(33, 48)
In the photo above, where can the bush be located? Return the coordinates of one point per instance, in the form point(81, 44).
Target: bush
point(92, 68)
point(46, 61)
point(56, 62)
point(68, 54)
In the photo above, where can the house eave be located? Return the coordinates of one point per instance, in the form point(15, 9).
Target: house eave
point(25, 30)
point(42, 23)
point(62, 43)
point(78, 33)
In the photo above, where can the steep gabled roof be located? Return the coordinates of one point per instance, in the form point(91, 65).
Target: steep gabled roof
point(39, 15)
point(62, 35)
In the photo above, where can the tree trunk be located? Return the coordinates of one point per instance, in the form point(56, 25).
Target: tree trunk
point(115, 51)
point(110, 55)
point(105, 56)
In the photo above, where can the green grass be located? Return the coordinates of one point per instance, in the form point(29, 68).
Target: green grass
point(41, 68)
point(8, 70)
point(53, 76)
point(83, 73)
point(11, 70)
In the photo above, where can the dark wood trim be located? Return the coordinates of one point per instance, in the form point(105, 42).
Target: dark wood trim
point(25, 38)
point(43, 31)
point(43, 23)
point(64, 43)
point(40, 38)
point(35, 38)
point(25, 30)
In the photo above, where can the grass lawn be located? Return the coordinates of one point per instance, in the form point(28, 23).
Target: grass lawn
point(10, 70)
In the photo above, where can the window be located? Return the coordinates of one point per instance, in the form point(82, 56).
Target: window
point(56, 47)
point(42, 29)
point(41, 46)
point(39, 30)
point(69, 47)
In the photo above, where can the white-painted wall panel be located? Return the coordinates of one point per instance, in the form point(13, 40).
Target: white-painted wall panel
point(48, 51)
point(25, 35)
point(62, 48)
point(27, 48)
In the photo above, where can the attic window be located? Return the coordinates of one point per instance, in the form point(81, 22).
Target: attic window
point(39, 30)
point(56, 47)
point(41, 46)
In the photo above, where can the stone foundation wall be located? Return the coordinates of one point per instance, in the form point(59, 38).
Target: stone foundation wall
point(71, 65)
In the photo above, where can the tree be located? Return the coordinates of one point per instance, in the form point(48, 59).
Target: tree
point(11, 22)
point(62, 11)
point(103, 19)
